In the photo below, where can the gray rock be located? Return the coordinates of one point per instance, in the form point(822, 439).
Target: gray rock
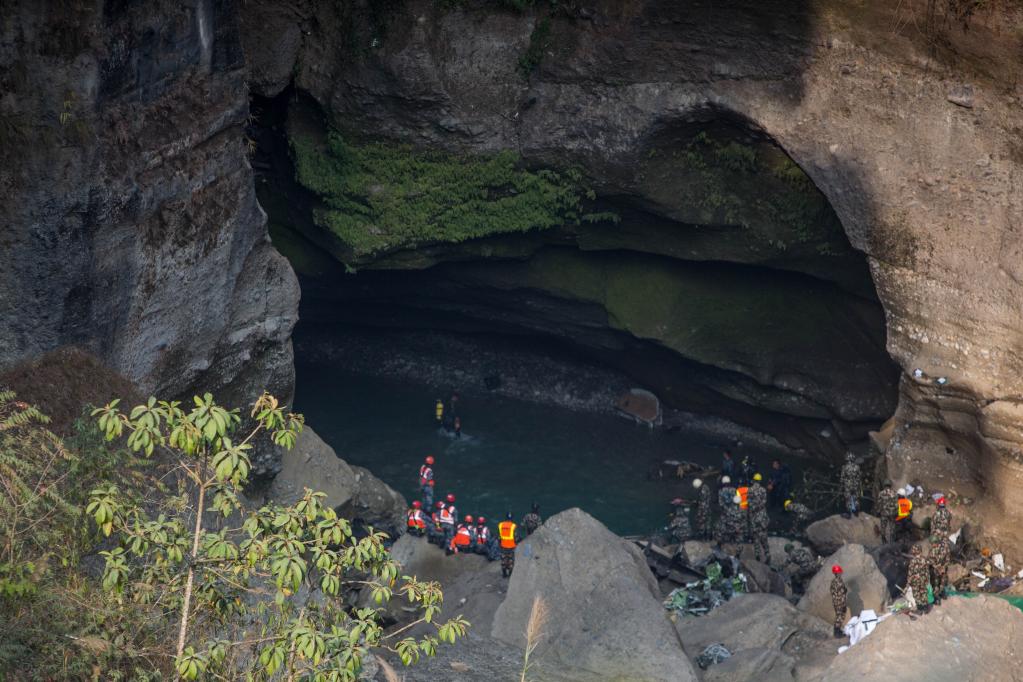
point(962, 95)
point(827, 535)
point(352, 491)
point(963, 639)
point(605, 613)
point(762, 578)
point(868, 587)
point(697, 551)
point(762, 665)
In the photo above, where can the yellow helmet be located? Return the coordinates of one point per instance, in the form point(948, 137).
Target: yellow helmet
point(757, 477)
point(787, 503)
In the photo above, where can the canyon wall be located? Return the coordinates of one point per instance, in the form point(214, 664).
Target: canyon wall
point(907, 116)
point(131, 226)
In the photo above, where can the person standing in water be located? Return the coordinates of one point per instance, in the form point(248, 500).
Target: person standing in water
point(438, 411)
point(458, 427)
point(426, 481)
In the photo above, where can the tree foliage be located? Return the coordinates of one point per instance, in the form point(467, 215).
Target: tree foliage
point(257, 595)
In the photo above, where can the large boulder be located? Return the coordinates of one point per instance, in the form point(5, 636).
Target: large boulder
point(353, 491)
point(758, 629)
point(963, 639)
point(762, 578)
point(827, 535)
point(868, 587)
point(604, 610)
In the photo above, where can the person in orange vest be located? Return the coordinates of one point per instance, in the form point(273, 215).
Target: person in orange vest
point(904, 511)
point(462, 539)
point(426, 481)
point(416, 520)
point(742, 494)
point(435, 531)
point(447, 519)
point(507, 531)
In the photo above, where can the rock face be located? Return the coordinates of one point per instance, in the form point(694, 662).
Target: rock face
point(963, 639)
point(131, 224)
point(868, 588)
point(828, 534)
point(352, 490)
point(605, 615)
point(930, 198)
point(758, 629)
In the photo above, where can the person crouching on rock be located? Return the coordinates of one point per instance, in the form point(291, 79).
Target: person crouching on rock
point(485, 543)
point(462, 539)
point(435, 531)
point(416, 522)
point(507, 531)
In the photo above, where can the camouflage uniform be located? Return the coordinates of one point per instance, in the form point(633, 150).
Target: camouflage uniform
point(681, 530)
point(941, 522)
point(941, 554)
point(838, 601)
point(800, 515)
point(758, 534)
point(703, 513)
point(918, 577)
point(531, 522)
point(887, 508)
point(726, 525)
point(851, 480)
point(803, 566)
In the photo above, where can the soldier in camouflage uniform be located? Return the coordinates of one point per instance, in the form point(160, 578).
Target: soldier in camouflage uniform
point(735, 517)
point(758, 519)
point(839, 594)
point(918, 577)
point(941, 522)
point(800, 515)
point(703, 510)
point(726, 528)
point(850, 480)
point(941, 555)
point(532, 520)
point(680, 528)
point(887, 508)
point(801, 565)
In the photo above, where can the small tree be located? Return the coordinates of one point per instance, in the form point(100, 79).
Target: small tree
point(262, 598)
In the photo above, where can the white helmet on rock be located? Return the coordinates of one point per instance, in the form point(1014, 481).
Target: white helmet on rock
point(697, 483)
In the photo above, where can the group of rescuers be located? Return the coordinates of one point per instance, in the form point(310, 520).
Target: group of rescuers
point(743, 518)
point(442, 527)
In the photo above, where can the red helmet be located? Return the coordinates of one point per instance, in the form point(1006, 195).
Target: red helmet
point(439, 505)
point(468, 518)
point(417, 504)
point(941, 501)
point(429, 459)
point(481, 520)
point(836, 569)
point(450, 497)
point(430, 483)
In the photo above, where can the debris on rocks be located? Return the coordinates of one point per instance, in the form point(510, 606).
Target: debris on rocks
point(715, 653)
point(702, 596)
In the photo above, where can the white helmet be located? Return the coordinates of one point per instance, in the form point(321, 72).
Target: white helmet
point(725, 479)
point(737, 499)
point(697, 483)
point(902, 491)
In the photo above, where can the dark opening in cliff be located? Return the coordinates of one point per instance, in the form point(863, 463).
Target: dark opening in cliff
point(726, 286)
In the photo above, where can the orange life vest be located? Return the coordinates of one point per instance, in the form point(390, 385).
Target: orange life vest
point(415, 519)
point(483, 534)
point(446, 517)
point(462, 538)
point(905, 507)
point(425, 475)
point(506, 531)
point(743, 497)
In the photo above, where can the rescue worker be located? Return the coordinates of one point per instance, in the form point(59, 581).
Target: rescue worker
point(451, 504)
point(839, 594)
point(435, 531)
point(447, 521)
point(759, 521)
point(485, 544)
point(780, 484)
point(851, 480)
point(703, 510)
point(426, 480)
point(532, 520)
point(725, 501)
point(458, 427)
point(941, 522)
point(438, 411)
point(680, 528)
point(887, 509)
point(506, 532)
point(727, 465)
point(801, 566)
point(415, 520)
point(461, 541)
point(746, 469)
point(742, 513)
point(800, 515)
point(917, 577)
point(903, 511)
point(941, 555)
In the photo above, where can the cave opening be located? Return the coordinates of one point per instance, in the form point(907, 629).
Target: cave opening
point(715, 276)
